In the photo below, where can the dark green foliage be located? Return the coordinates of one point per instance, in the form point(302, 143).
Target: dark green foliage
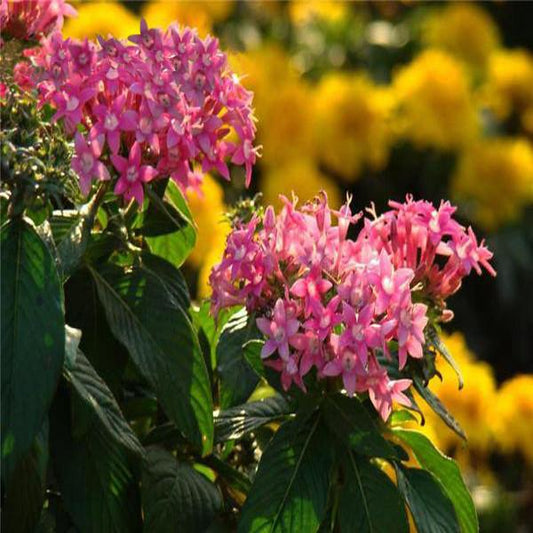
point(290, 490)
point(145, 316)
point(175, 497)
point(238, 379)
point(369, 501)
point(432, 510)
point(33, 337)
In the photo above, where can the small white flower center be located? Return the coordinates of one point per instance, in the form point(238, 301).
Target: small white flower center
point(131, 174)
point(111, 121)
point(72, 103)
point(240, 253)
point(87, 161)
point(388, 285)
point(357, 332)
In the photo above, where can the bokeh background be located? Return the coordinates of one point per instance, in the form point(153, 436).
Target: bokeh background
point(381, 99)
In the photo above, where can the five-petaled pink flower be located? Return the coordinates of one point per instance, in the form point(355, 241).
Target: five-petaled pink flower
point(132, 175)
point(279, 331)
point(86, 163)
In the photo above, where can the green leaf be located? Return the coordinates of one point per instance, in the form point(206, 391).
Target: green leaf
point(237, 377)
point(167, 434)
point(350, 421)
point(160, 219)
point(434, 340)
point(160, 338)
point(369, 501)
point(101, 403)
point(234, 478)
point(96, 472)
point(174, 247)
point(291, 487)
point(175, 496)
point(25, 491)
point(432, 510)
point(447, 473)
point(33, 337)
point(71, 230)
point(170, 277)
point(85, 312)
point(401, 416)
point(233, 423)
point(438, 407)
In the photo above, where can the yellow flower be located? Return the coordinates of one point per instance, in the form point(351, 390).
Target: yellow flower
point(199, 15)
point(301, 177)
point(494, 180)
point(352, 124)
point(510, 82)
point(463, 29)
point(513, 416)
point(303, 11)
point(208, 214)
point(101, 18)
point(162, 14)
point(472, 406)
point(285, 124)
point(282, 104)
point(435, 107)
point(213, 257)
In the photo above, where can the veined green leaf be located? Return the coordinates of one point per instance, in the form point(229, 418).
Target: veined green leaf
point(33, 337)
point(291, 487)
point(350, 421)
point(237, 377)
point(176, 246)
point(447, 473)
point(432, 510)
point(175, 496)
point(160, 338)
point(233, 423)
point(94, 466)
point(369, 501)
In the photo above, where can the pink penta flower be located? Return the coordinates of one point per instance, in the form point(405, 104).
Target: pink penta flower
point(382, 391)
point(70, 102)
point(311, 288)
point(411, 324)
point(346, 363)
point(279, 331)
point(324, 318)
point(336, 303)
point(113, 119)
point(289, 371)
point(86, 163)
point(133, 175)
point(391, 284)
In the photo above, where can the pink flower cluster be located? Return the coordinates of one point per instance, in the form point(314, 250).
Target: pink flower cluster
point(329, 302)
point(163, 106)
point(31, 19)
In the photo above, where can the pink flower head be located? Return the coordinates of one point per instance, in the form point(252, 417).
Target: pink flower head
point(341, 304)
point(132, 175)
point(171, 92)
